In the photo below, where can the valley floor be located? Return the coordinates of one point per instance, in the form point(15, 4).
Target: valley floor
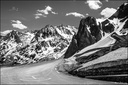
point(42, 73)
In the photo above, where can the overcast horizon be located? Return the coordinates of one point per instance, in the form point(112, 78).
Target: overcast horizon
point(34, 15)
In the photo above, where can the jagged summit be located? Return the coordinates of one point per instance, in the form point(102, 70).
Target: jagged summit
point(13, 35)
point(84, 37)
point(89, 32)
point(48, 43)
point(122, 12)
point(96, 50)
point(47, 31)
point(99, 50)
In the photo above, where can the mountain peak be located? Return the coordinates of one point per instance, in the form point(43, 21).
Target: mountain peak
point(48, 42)
point(89, 32)
point(5, 32)
point(121, 12)
point(48, 25)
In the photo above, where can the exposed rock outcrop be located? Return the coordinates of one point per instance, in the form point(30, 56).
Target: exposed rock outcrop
point(45, 44)
point(90, 32)
point(99, 49)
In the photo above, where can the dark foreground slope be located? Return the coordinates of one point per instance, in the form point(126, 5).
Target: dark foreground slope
point(99, 49)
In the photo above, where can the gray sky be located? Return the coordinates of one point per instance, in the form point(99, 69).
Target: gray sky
point(30, 15)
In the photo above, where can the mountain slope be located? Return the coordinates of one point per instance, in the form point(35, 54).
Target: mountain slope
point(45, 44)
point(99, 49)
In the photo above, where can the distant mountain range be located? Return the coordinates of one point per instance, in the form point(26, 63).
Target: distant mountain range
point(45, 44)
point(99, 50)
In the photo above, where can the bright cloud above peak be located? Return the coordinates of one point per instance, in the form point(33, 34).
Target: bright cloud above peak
point(18, 24)
point(106, 0)
point(75, 14)
point(94, 4)
point(44, 12)
point(107, 12)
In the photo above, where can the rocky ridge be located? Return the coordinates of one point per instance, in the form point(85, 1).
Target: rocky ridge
point(48, 43)
point(99, 49)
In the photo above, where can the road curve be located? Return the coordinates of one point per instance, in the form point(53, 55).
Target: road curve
point(41, 73)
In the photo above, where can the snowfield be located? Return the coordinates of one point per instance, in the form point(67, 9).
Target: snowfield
point(95, 53)
point(42, 73)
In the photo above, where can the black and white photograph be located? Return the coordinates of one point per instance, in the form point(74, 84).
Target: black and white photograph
point(77, 42)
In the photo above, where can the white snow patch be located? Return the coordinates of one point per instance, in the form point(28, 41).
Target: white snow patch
point(5, 32)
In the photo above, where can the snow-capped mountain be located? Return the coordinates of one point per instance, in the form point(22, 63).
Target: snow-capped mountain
point(100, 48)
point(47, 43)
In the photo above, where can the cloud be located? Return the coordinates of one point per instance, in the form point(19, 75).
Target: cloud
point(44, 12)
point(38, 15)
point(75, 14)
point(94, 4)
point(87, 14)
point(106, 0)
point(14, 9)
point(18, 24)
point(107, 12)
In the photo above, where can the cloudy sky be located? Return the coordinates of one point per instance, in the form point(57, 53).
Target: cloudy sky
point(30, 15)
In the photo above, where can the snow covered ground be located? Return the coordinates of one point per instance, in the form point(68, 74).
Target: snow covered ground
point(42, 73)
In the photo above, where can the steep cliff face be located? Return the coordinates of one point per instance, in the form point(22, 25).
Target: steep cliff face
point(85, 36)
point(45, 44)
point(99, 49)
point(90, 30)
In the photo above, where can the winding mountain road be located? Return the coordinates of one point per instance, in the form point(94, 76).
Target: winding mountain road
point(42, 73)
